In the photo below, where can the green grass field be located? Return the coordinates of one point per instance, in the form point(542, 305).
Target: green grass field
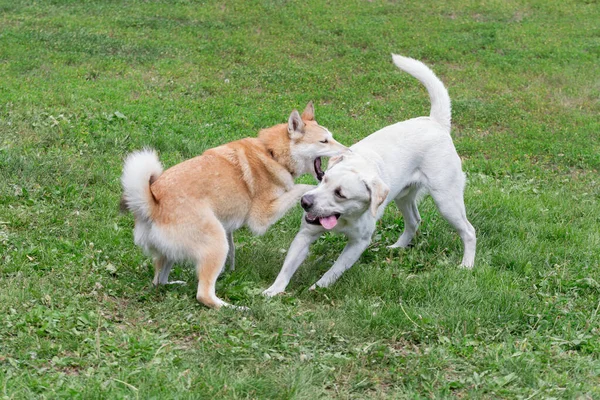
point(82, 83)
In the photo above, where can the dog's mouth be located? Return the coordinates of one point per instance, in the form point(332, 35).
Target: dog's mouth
point(318, 171)
point(328, 222)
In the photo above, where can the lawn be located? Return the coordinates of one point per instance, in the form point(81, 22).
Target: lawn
point(83, 83)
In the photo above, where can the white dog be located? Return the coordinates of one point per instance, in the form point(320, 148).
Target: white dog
point(397, 163)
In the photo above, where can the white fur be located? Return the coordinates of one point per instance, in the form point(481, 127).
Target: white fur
point(398, 163)
point(139, 167)
point(438, 95)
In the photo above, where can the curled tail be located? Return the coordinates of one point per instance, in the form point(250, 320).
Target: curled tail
point(440, 100)
point(140, 170)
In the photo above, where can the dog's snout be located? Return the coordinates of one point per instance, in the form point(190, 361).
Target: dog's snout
point(307, 201)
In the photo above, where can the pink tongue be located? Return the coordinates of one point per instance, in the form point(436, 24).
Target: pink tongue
point(328, 222)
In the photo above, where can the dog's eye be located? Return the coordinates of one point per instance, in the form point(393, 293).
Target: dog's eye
point(325, 141)
point(338, 193)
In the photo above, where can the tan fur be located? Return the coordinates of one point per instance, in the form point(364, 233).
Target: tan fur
point(194, 206)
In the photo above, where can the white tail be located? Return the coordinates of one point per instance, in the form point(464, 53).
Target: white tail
point(440, 100)
point(140, 168)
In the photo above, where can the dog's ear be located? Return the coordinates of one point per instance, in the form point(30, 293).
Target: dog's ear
point(295, 125)
point(334, 160)
point(378, 191)
point(309, 112)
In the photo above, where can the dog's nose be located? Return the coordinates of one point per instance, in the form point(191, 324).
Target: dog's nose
point(307, 201)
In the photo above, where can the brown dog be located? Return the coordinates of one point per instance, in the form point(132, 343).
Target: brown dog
point(190, 211)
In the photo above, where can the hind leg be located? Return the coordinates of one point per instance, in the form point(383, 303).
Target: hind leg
point(410, 213)
point(451, 204)
point(162, 269)
point(231, 254)
point(210, 260)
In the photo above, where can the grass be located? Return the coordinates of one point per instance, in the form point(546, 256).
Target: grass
point(82, 83)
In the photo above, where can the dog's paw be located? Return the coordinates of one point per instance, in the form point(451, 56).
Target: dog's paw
point(466, 266)
point(271, 292)
point(236, 308)
point(177, 283)
point(305, 187)
point(400, 245)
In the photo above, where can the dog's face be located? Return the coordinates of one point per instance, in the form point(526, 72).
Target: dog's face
point(346, 190)
point(311, 141)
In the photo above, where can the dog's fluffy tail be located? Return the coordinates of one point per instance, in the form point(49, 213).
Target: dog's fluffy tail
point(140, 170)
point(440, 100)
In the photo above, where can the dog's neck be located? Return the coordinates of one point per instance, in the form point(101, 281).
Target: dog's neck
point(277, 144)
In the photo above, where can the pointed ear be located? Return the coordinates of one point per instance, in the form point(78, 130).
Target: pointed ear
point(379, 191)
point(309, 112)
point(295, 125)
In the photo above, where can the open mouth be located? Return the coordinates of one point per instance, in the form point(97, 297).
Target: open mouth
point(326, 222)
point(318, 170)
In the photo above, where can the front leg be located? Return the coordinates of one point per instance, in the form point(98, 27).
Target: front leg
point(351, 253)
point(295, 256)
point(261, 218)
point(287, 200)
